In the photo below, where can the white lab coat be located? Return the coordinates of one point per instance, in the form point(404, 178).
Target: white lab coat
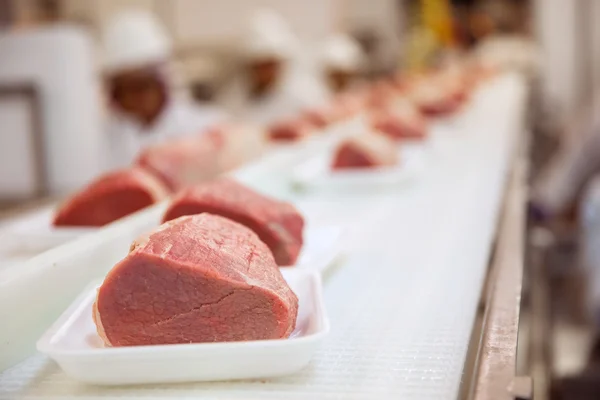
point(577, 161)
point(574, 170)
point(127, 137)
point(297, 91)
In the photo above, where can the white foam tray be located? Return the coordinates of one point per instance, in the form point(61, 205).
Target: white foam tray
point(31, 234)
point(75, 345)
point(57, 275)
point(316, 172)
point(323, 245)
point(402, 304)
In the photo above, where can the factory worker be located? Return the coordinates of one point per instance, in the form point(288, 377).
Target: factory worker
point(572, 168)
point(503, 45)
point(342, 60)
point(274, 84)
point(144, 106)
point(567, 198)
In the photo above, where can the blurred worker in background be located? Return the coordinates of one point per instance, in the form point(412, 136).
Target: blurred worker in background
point(503, 42)
point(342, 61)
point(573, 166)
point(275, 83)
point(144, 106)
point(566, 199)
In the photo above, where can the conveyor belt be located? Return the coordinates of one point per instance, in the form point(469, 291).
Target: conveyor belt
point(403, 303)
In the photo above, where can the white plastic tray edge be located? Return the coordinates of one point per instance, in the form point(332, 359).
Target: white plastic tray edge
point(88, 365)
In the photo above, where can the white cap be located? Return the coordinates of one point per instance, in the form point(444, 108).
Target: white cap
point(342, 52)
point(132, 39)
point(268, 36)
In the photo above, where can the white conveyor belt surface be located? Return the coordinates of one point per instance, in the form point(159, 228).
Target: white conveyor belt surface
point(403, 302)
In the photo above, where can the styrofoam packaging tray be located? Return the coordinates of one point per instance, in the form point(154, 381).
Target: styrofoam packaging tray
point(258, 175)
point(33, 233)
point(316, 173)
point(323, 245)
point(33, 292)
point(75, 345)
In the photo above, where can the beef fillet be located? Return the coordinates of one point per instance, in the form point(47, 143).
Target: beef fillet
point(111, 197)
point(184, 161)
point(200, 278)
point(402, 120)
point(292, 130)
point(365, 151)
point(276, 223)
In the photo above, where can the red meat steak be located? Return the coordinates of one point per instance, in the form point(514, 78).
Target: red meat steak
point(434, 100)
point(200, 278)
point(276, 223)
point(290, 131)
point(401, 121)
point(111, 197)
point(365, 151)
point(319, 118)
point(348, 104)
point(184, 161)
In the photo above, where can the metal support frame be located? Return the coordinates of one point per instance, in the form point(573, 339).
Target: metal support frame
point(495, 373)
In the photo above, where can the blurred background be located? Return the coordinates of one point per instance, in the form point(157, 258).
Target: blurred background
point(52, 53)
point(64, 64)
point(206, 56)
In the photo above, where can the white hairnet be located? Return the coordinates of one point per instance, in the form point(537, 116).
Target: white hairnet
point(342, 52)
point(134, 38)
point(268, 36)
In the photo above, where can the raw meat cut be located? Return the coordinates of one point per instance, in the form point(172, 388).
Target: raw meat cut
point(436, 97)
point(111, 197)
point(200, 278)
point(348, 104)
point(291, 130)
point(382, 92)
point(319, 118)
point(401, 120)
point(478, 73)
point(455, 83)
point(343, 106)
point(196, 159)
point(370, 150)
point(401, 81)
point(184, 161)
point(276, 223)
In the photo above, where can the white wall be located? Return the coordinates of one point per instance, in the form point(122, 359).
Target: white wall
point(555, 27)
point(17, 158)
point(209, 20)
point(59, 61)
point(202, 21)
point(215, 26)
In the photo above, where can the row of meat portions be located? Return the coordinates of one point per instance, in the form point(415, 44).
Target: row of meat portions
point(398, 108)
point(209, 273)
point(158, 172)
